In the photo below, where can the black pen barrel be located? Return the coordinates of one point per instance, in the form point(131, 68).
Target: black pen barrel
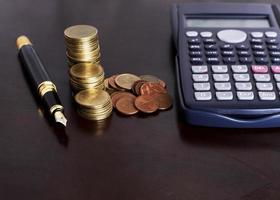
point(33, 66)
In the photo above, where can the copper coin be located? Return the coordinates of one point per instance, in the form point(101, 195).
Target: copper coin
point(112, 83)
point(136, 86)
point(163, 100)
point(146, 104)
point(153, 79)
point(162, 83)
point(125, 105)
point(119, 95)
point(151, 88)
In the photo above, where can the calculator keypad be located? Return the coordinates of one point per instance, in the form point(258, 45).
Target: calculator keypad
point(225, 71)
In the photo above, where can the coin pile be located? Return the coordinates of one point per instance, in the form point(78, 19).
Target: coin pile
point(131, 94)
point(94, 104)
point(86, 75)
point(82, 44)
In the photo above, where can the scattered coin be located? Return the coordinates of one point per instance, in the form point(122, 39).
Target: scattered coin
point(118, 95)
point(112, 83)
point(125, 105)
point(164, 100)
point(151, 88)
point(146, 104)
point(126, 81)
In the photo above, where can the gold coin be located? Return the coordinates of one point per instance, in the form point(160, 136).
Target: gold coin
point(126, 81)
point(86, 70)
point(92, 98)
point(80, 32)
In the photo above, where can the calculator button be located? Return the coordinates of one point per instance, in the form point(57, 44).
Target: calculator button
point(227, 47)
point(194, 41)
point(257, 34)
point(278, 86)
point(200, 77)
point(262, 77)
point(239, 68)
point(259, 68)
point(210, 47)
point(213, 60)
point(256, 41)
point(196, 61)
point(201, 86)
point(228, 53)
point(259, 53)
point(219, 68)
point(194, 47)
point(195, 53)
point(272, 41)
point(209, 41)
point(245, 95)
point(267, 95)
point(206, 34)
point(243, 86)
point(270, 34)
point(241, 77)
point(191, 33)
point(258, 47)
point(211, 53)
point(203, 96)
point(264, 86)
point(221, 77)
point(243, 53)
point(229, 60)
point(277, 77)
point(273, 47)
point(275, 69)
point(199, 69)
point(232, 36)
point(261, 60)
point(274, 53)
point(222, 86)
point(224, 96)
point(242, 47)
point(246, 60)
point(275, 60)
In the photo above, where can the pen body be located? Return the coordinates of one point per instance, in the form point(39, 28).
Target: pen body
point(40, 79)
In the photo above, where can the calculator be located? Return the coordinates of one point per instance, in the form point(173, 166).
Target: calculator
point(228, 63)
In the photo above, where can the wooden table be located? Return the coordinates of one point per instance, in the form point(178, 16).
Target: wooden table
point(124, 158)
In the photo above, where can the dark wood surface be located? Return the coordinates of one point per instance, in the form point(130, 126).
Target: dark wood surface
point(124, 158)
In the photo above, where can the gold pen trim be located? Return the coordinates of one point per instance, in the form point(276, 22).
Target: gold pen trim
point(22, 40)
point(46, 86)
point(56, 107)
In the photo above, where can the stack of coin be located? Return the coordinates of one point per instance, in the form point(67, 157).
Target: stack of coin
point(94, 104)
point(82, 44)
point(131, 94)
point(85, 76)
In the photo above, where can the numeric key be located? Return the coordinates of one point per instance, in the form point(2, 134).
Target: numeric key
point(198, 69)
point(267, 96)
point(200, 77)
point(239, 68)
point(203, 96)
point(224, 96)
point(245, 95)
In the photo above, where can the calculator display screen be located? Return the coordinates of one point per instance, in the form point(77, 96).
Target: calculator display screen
point(227, 23)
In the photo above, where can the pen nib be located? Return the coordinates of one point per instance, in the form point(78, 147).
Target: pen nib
point(60, 118)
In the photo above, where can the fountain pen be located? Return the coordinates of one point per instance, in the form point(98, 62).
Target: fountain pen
point(40, 80)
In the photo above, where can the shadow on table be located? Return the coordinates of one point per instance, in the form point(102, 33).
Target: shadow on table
point(229, 137)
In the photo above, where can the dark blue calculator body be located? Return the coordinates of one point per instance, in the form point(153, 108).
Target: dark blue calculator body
point(228, 63)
